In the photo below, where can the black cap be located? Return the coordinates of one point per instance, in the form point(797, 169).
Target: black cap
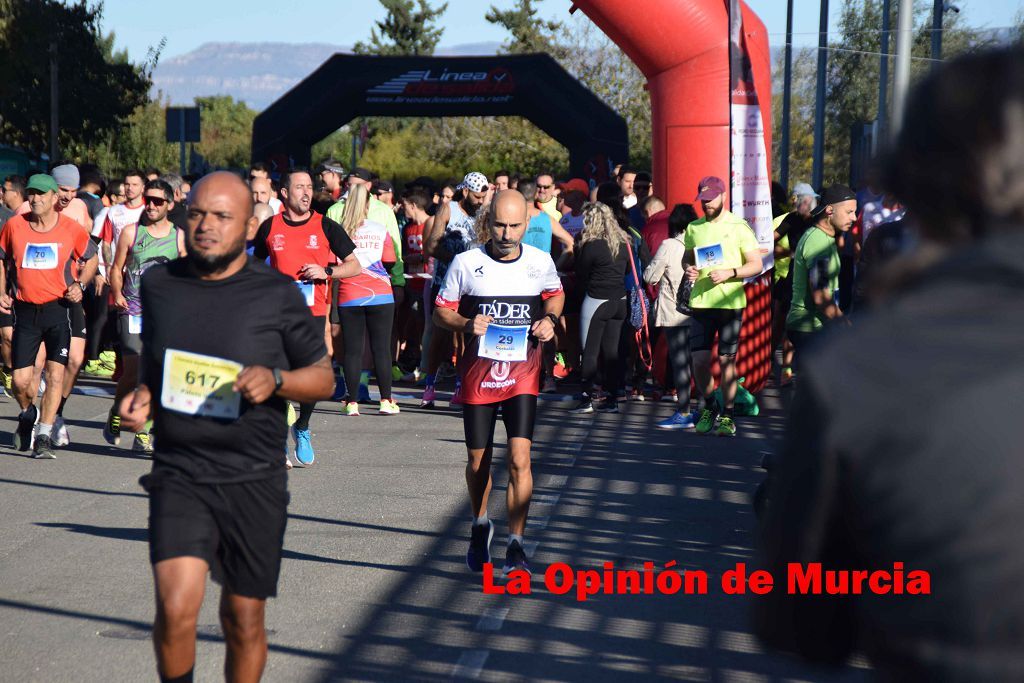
point(382, 186)
point(361, 173)
point(833, 194)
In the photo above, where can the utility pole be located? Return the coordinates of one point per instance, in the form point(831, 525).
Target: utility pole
point(786, 88)
point(818, 173)
point(901, 80)
point(937, 11)
point(883, 76)
point(54, 101)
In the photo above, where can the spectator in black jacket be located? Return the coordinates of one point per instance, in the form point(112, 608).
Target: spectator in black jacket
point(903, 444)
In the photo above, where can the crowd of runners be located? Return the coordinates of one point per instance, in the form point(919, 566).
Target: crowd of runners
point(225, 307)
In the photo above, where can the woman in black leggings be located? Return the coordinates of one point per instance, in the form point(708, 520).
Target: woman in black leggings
point(365, 302)
point(601, 262)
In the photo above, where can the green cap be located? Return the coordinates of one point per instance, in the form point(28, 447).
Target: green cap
point(42, 183)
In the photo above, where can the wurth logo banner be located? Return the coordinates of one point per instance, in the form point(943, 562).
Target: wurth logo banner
point(444, 86)
point(749, 181)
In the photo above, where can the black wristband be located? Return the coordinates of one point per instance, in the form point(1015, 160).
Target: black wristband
point(278, 378)
point(553, 318)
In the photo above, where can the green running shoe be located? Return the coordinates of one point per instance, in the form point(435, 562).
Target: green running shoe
point(726, 427)
point(706, 422)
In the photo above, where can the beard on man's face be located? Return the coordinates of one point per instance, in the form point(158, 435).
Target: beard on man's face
point(207, 264)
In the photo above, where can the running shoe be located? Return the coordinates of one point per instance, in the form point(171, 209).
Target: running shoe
point(364, 393)
point(429, 396)
point(95, 368)
point(112, 429)
point(678, 420)
point(637, 395)
point(726, 427)
point(43, 448)
point(143, 444)
point(389, 407)
point(515, 558)
point(560, 371)
point(352, 409)
point(8, 379)
point(396, 373)
point(607, 405)
point(670, 396)
point(108, 357)
point(549, 386)
point(290, 417)
point(5, 383)
point(60, 438)
point(706, 422)
point(303, 448)
point(456, 396)
point(415, 376)
point(584, 407)
point(479, 552)
point(23, 433)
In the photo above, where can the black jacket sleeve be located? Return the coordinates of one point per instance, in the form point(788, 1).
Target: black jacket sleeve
point(260, 251)
point(341, 243)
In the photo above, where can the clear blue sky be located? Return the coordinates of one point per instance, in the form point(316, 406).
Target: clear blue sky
point(190, 23)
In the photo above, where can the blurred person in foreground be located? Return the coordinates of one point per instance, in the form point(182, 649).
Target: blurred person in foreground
point(902, 444)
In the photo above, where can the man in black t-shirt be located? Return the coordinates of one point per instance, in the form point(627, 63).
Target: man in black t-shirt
point(215, 378)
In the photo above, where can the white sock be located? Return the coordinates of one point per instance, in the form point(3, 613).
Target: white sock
point(45, 430)
point(515, 537)
point(481, 520)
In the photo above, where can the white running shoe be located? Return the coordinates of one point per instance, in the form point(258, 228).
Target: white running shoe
point(60, 433)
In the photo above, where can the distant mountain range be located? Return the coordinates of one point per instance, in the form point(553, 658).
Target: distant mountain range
point(256, 73)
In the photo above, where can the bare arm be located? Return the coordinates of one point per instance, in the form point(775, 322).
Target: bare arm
point(115, 273)
point(750, 268)
point(435, 227)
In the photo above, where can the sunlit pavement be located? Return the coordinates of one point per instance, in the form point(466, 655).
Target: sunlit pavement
point(374, 585)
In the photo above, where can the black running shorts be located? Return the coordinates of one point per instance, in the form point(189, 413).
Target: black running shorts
point(518, 413)
point(237, 528)
point(35, 324)
point(705, 323)
point(78, 321)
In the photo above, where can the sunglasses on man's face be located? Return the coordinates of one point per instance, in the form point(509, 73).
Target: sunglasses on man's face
point(156, 201)
point(544, 187)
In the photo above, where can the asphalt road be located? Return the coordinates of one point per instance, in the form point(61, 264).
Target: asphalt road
point(374, 585)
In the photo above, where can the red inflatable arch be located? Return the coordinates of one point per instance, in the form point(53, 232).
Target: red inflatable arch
point(682, 47)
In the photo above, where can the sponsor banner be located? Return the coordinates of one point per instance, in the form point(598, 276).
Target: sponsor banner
point(430, 86)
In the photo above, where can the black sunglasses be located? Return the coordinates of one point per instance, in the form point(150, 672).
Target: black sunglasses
point(156, 201)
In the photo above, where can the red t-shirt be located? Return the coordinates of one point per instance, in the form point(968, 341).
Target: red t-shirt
point(44, 262)
point(412, 237)
point(291, 245)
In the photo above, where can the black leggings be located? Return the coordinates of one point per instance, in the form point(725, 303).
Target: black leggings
point(518, 413)
point(355, 322)
point(98, 320)
point(679, 360)
point(600, 327)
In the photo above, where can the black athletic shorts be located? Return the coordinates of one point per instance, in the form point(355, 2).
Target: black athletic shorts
point(518, 413)
point(6, 319)
point(78, 320)
point(35, 324)
point(237, 528)
point(705, 323)
point(131, 344)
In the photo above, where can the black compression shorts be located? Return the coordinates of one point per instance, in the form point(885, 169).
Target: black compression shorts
point(78, 321)
point(518, 413)
point(705, 323)
point(237, 528)
point(34, 324)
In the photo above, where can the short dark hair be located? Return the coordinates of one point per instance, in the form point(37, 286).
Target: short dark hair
point(161, 185)
point(543, 172)
point(152, 170)
point(135, 173)
point(286, 177)
point(528, 189)
point(90, 174)
point(575, 200)
point(954, 164)
point(18, 184)
point(624, 170)
point(259, 166)
point(498, 174)
point(682, 215)
point(114, 186)
point(418, 197)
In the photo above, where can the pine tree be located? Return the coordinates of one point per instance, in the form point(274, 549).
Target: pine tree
point(529, 33)
point(408, 29)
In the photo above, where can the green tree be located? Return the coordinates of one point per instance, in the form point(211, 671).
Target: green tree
point(408, 29)
point(801, 115)
point(528, 32)
point(97, 88)
point(226, 131)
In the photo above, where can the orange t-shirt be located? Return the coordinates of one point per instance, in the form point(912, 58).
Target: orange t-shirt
point(44, 261)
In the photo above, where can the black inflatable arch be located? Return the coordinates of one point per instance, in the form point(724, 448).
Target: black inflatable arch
point(533, 86)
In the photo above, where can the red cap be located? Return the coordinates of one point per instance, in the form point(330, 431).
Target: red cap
point(709, 187)
point(575, 184)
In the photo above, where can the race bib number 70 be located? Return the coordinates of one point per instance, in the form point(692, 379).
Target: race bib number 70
point(195, 384)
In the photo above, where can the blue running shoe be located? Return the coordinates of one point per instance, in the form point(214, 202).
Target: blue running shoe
point(303, 448)
point(678, 421)
point(480, 546)
point(515, 558)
